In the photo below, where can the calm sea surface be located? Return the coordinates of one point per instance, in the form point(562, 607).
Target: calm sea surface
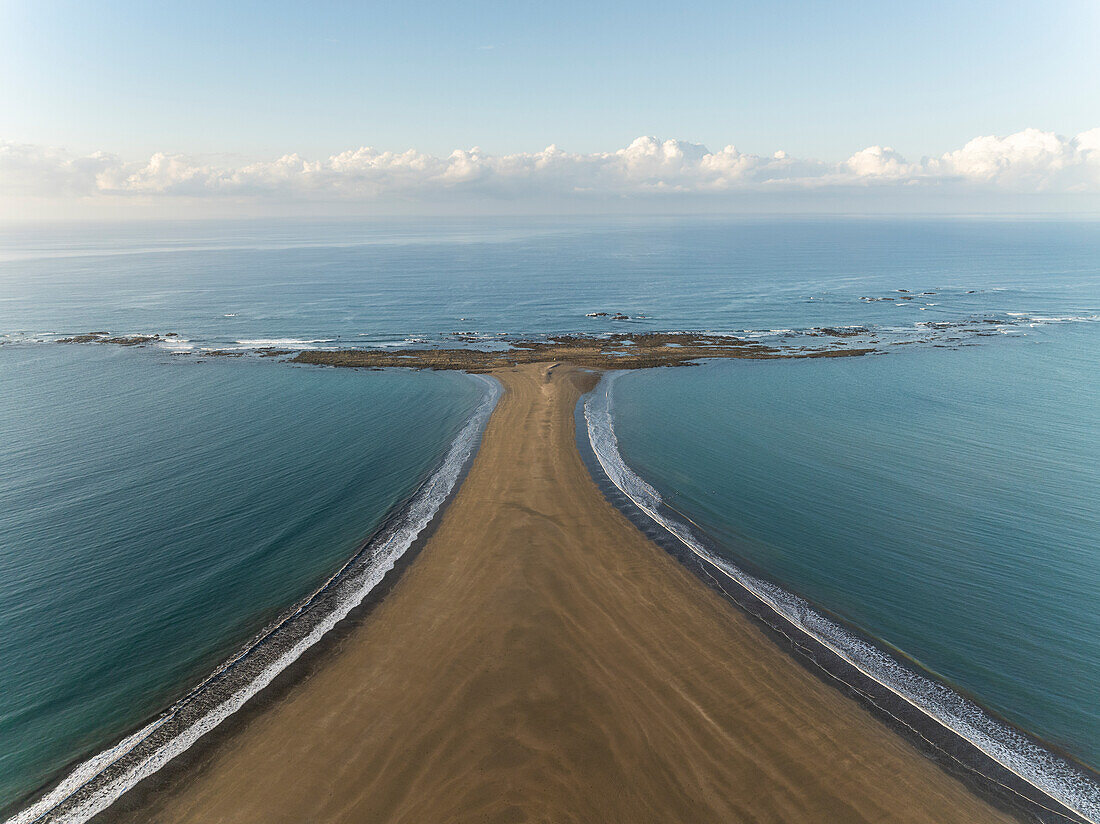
point(156, 514)
point(159, 506)
point(947, 503)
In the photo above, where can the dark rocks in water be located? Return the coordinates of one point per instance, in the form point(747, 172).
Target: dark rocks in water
point(846, 332)
point(620, 316)
point(646, 350)
point(100, 337)
point(91, 337)
point(132, 340)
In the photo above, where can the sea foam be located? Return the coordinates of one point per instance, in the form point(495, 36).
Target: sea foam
point(1041, 768)
point(99, 781)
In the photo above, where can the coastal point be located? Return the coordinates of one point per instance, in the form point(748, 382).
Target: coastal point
point(528, 413)
point(542, 660)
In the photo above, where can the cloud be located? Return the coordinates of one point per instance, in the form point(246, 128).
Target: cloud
point(1030, 160)
point(1027, 161)
point(881, 162)
point(38, 170)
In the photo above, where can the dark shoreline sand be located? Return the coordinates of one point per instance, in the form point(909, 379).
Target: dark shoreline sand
point(543, 661)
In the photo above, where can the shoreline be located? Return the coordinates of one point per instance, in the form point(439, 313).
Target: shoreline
point(938, 740)
point(90, 785)
point(173, 776)
point(801, 730)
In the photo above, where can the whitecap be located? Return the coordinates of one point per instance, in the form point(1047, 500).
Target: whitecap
point(279, 343)
point(176, 344)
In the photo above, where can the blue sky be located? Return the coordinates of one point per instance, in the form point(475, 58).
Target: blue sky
point(229, 83)
point(820, 79)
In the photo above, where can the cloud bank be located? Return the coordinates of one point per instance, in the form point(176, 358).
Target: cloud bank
point(1030, 161)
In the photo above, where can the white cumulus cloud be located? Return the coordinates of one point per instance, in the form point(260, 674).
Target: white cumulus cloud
point(881, 161)
point(1027, 161)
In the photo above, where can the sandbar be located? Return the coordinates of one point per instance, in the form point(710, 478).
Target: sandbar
point(542, 661)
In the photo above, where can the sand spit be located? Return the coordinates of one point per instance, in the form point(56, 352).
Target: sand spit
point(541, 660)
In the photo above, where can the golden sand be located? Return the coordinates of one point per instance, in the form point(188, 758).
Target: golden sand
point(542, 661)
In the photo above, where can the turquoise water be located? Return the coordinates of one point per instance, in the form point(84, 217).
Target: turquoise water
point(158, 513)
point(160, 505)
point(947, 503)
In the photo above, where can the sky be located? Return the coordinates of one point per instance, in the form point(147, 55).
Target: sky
point(250, 106)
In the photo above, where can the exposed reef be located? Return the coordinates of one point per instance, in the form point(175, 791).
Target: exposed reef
point(125, 340)
point(622, 351)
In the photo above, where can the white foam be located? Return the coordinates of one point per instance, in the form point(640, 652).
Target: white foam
point(279, 343)
point(764, 333)
point(1036, 319)
point(395, 343)
point(1067, 319)
point(425, 504)
point(1036, 765)
point(176, 344)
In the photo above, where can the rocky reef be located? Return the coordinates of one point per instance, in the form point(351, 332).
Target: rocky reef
point(621, 351)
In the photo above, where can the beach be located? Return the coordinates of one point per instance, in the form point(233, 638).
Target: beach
point(541, 660)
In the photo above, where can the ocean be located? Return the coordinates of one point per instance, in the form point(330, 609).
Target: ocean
point(163, 506)
point(157, 515)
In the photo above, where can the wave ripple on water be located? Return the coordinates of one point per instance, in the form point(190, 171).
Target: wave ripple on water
point(1043, 769)
point(101, 780)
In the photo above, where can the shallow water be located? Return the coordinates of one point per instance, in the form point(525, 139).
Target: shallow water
point(160, 505)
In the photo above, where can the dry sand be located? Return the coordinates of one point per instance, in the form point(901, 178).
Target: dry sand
point(542, 661)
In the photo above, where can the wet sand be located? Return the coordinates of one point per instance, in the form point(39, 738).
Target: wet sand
point(541, 660)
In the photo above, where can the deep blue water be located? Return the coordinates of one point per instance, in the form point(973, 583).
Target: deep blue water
point(160, 505)
point(317, 285)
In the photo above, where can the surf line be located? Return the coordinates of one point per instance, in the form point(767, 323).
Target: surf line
point(1082, 801)
point(98, 782)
